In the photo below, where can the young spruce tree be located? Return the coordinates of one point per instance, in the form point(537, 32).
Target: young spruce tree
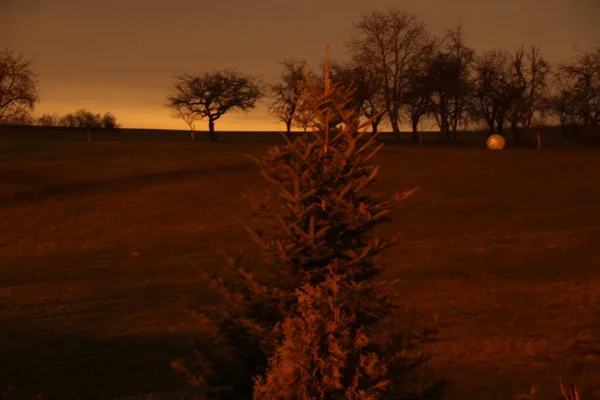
point(315, 228)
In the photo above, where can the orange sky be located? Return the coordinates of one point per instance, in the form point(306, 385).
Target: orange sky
point(121, 55)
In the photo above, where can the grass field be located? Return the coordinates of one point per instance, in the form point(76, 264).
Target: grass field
point(102, 244)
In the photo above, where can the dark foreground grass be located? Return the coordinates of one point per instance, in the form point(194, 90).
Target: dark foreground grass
point(102, 244)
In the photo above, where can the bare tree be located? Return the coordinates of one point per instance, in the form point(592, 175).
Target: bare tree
point(388, 44)
point(417, 99)
point(18, 88)
point(451, 83)
point(528, 82)
point(109, 121)
point(582, 75)
point(22, 118)
point(461, 83)
point(303, 115)
point(563, 103)
point(81, 119)
point(518, 90)
point(439, 73)
point(213, 94)
point(49, 120)
point(68, 120)
point(189, 116)
point(491, 92)
point(538, 71)
point(286, 94)
point(87, 119)
point(290, 101)
point(366, 99)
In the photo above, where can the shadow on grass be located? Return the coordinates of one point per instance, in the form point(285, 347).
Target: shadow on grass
point(58, 367)
point(111, 185)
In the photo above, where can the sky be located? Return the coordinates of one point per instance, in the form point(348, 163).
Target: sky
point(122, 55)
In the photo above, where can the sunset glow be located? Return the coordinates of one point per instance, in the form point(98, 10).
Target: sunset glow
point(120, 57)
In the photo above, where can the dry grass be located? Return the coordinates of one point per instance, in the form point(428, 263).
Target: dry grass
point(101, 244)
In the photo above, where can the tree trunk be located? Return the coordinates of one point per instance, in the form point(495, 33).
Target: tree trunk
point(375, 123)
point(415, 129)
point(500, 128)
point(453, 128)
point(515, 131)
point(211, 130)
point(490, 119)
point(445, 133)
point(394, 123)
point(563, 128)
point(288, 126)
point(591, 131)
point(445, 129)
point(374, 126)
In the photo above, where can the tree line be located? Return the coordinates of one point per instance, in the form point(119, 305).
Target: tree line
point(399, 71)
point(19, 95)
point(399, 68)
point(80, 119)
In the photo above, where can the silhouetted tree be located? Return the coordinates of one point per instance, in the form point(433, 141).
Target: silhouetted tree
point(18, 88)
point(289, 104)
point(286, 94)
point(563, 103)
point(417, 98)
point(68, 120)
point(22, 118)
point(87, 119)
point(388, 44)
point(518, 89)
point(491, 90)
point(82, 119)
point(109, 121)
point(528, 84)
point(189, 116)
point(49, 120)
point(451, 83)
point(213, 94)
point(366, 99)
point(581, 89)
point(302, 116)
point(538, 71)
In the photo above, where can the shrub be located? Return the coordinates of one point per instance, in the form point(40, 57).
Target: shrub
point(317, 216)
point(322, 354)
